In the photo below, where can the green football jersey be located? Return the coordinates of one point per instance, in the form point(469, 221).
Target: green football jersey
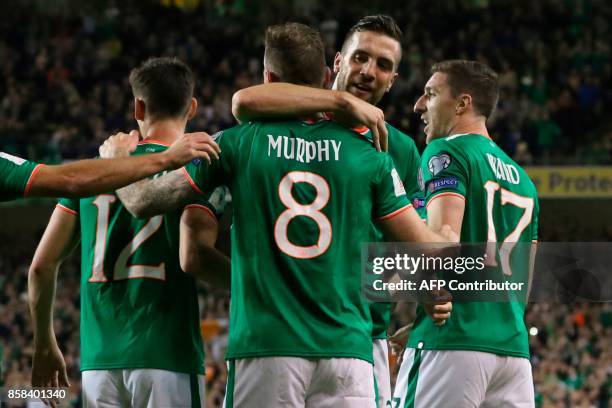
point(407, 161)
point(15, 176)
point(138, 308)
point(501, 204)
point(303, 196)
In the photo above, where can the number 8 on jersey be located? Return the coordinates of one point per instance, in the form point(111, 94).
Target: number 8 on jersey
point(295, 209)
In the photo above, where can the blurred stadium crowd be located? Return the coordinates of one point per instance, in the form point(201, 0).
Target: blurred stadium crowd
point(63, 90)
point(64, 76)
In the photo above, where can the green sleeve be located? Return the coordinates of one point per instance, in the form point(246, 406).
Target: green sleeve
point(214, 201)
point(389, 193)
point(15, 176)
point(409, 170)
point(71, 205)
point(407, 161)
point(204, 177)
point(413, 180)
point(444, 169)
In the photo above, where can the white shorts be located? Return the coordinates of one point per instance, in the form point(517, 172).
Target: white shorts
point(381, 372)
point(463, 379)
point(290, 382)
point(142, 388)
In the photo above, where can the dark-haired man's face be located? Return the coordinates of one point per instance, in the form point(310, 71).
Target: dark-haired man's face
point(367, 66)
point(437, 107)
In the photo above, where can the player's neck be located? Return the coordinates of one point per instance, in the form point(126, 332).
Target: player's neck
point(166, 131)
point(470, 126)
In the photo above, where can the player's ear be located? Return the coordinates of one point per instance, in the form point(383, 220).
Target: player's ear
point(337, 62)
point(140, 109)
point(193, 107)
point(464, 104)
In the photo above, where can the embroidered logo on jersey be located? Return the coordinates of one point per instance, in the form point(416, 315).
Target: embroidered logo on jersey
point(438, 163)
point(446, 182)
point(398, 186)
point(418, 203)
point(420, 179)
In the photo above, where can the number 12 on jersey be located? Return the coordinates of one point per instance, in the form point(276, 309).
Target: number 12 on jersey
point(121, 269)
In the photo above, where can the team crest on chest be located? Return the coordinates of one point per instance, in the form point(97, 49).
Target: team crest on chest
point(438, 163)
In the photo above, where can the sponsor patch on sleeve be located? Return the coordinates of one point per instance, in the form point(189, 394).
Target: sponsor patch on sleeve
point(445, 182)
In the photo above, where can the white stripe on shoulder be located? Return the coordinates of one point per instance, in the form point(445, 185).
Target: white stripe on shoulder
point(17, 160)
point(451, 137)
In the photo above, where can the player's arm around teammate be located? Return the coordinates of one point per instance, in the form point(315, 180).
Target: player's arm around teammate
point(89, 177)
point(60, 237)
point(149, 197)
point(285, 100)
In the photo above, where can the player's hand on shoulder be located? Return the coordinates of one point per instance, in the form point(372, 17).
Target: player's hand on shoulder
point(191, 146)
point(359, 112)
point(119, 145)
